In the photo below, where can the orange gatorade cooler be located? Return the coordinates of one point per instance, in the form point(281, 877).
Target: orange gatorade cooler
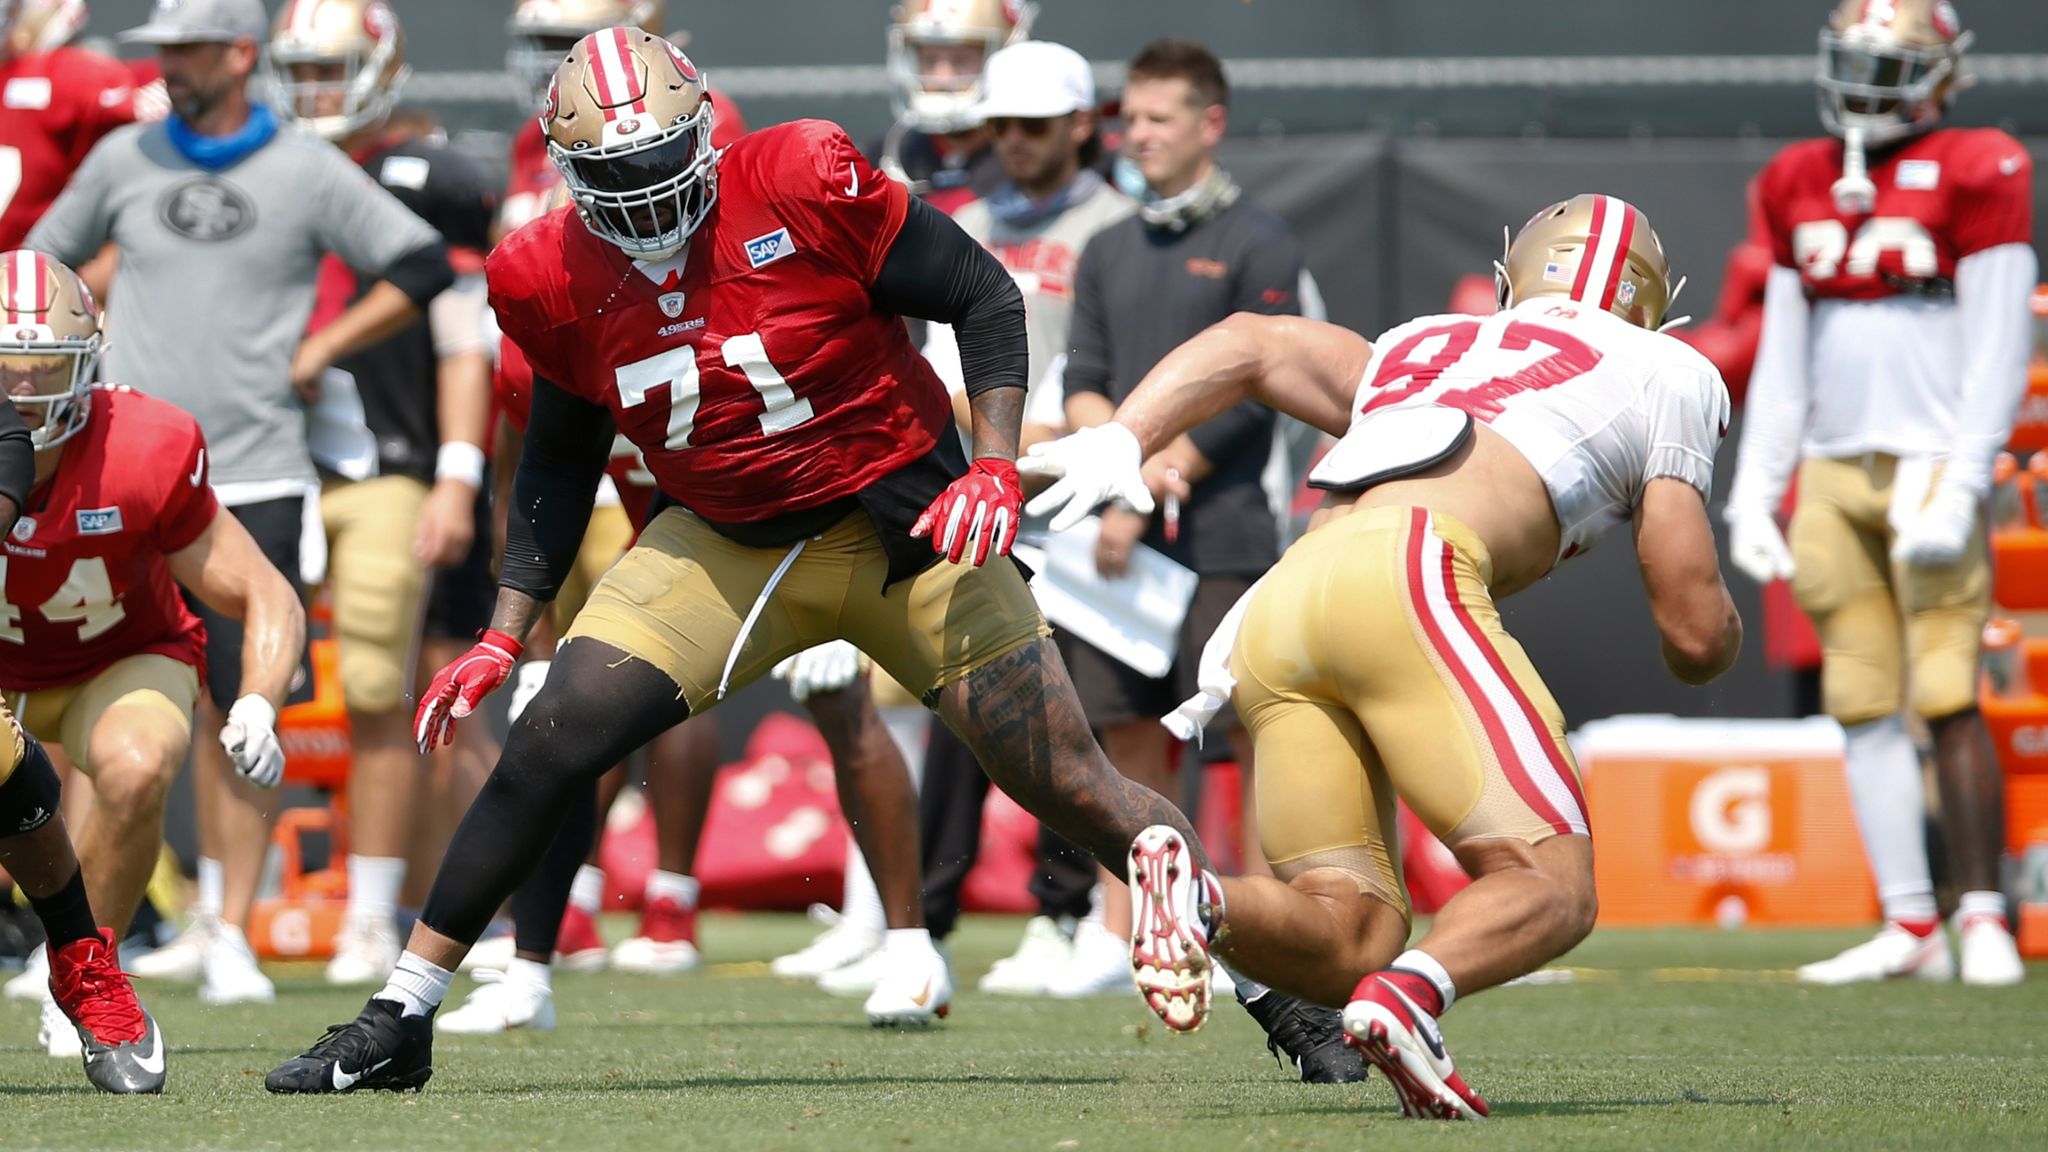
point(1723, 821)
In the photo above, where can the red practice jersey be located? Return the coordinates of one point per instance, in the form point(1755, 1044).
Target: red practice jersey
point(1940, 197)
point(513, 388)
point(87, 578)
point(534, 176)
point(759, 379)
point(54, 106)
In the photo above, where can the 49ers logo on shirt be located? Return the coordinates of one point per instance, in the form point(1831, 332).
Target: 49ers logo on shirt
point(207, 209)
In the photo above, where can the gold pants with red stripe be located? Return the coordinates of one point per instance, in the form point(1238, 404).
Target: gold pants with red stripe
point(1372, 665)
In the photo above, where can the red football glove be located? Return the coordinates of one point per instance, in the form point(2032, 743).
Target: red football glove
point(461, 686)
point(979, 511)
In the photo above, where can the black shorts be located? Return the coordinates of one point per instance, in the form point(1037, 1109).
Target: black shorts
point(1113, 693)
point(460, 600)
point(276, 526)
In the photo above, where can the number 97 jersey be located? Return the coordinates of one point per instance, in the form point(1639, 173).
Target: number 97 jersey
point(752, 370)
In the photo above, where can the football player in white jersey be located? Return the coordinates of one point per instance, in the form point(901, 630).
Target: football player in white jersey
point(1893, 355)
point(1371, 664)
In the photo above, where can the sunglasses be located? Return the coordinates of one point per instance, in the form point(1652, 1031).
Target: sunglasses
point(1033, 127)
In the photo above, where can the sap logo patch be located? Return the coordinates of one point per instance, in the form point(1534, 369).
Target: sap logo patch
point(25, 529)
point(1919, 175)
point(28, 93)
point(99, 521)
point(768, 249)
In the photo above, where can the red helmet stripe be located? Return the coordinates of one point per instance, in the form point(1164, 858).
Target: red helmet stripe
point(1618, 261)
point(601, 71)
point(634, 90)
point(1591, 251)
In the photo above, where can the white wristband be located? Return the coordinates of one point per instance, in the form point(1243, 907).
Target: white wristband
point(460, 461)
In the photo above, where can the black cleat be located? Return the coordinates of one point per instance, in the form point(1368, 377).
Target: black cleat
point(379, 1050)
point(1309, 1036)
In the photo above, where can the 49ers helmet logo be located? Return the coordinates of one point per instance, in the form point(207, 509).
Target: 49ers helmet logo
point(207, 209)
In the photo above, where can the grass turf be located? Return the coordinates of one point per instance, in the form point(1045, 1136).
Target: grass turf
point(1661, 1040)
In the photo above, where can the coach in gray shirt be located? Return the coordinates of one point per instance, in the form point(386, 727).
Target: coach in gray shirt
point(221, 221)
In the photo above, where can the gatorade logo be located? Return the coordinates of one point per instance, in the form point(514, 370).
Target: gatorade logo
point(1731, 811)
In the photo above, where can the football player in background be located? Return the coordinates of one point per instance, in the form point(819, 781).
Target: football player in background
point(1893, 356)
point(407, 505)
point(937, 50)
point(56, 101)
point(821, 491)
point(121, 1046)
point(1371, 663)
point(98, 651)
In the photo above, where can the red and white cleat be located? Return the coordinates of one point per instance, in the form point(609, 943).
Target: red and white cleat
point(1895, 953)
point(667, 943)
point(1169, 941)
point(1402, 1040)
point(578, 947)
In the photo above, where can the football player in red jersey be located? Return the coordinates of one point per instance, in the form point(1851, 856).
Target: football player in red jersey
point(542, 33)
point(54, 106)
point(98, 650)
point(122, 1047)
point(820, 493)
point(1893, 356)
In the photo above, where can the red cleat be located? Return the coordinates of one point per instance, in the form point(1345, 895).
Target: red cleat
point(1402, 1040)
point(667, 942)
point(124, 1052)
point(578, 947)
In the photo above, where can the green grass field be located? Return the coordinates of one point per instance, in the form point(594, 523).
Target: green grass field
point(1688, 1040)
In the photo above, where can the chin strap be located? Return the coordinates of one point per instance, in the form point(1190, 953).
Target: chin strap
point(1854, 193)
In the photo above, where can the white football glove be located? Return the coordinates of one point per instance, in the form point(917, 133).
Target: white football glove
point(1757, 548)
point(1938, 534)
point(250, 737)
point(526, 684)
point(1091, 466)
point(828, 667)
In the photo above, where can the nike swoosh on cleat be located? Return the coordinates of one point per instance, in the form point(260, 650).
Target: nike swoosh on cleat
point(153, 1062)
point(1424, 1025)
point(343, 1081)
point(924, 997)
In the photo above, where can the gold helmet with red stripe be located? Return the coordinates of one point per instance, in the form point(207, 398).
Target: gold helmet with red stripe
point(628, 123)
point(1597, 250)
point(543, 31)
point(47, 25)
point(49, 345)
point(942, 99)
point(336, 66)
point(1888, 67)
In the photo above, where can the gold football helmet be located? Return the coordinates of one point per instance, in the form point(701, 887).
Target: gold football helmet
point(47, 25)
point(1888, 67)
point(628, 123)
point(336, 66)
point(942, 100)
point(543, 31)
point(49, 345)
point(1597, 250)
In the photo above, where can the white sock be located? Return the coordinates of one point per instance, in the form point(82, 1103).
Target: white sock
point(671, 886)
point(212, 885)
point(1980, 904)
point(897, 941)
point(416, 986)
point(586, 892)
point(1891, 813)
point(1424, 965)
point(373, 884)
point(530, 972)
point(861, 904)
point(911, 728)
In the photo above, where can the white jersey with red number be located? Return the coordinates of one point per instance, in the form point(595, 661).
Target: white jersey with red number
point(54, 106)
point(1597, 405)
point(1885, 351)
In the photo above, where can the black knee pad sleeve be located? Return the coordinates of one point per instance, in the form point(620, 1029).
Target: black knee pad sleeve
point(28, 798)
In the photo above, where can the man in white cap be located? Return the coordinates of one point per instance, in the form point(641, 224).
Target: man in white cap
point(221, 221)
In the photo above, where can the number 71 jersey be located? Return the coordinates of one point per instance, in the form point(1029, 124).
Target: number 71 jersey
point(752, 371)
point(1598, 406)
point(86, 570)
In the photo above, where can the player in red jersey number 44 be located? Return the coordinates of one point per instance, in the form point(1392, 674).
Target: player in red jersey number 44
point(738, 315)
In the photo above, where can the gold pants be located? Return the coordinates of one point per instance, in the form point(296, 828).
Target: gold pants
point(1372, 665)
point(379, 586)
point(66, 716)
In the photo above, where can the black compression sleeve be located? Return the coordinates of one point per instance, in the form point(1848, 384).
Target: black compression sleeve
point(17, 464)
point(568, 441)
point(422, 273)
point(934, 271)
